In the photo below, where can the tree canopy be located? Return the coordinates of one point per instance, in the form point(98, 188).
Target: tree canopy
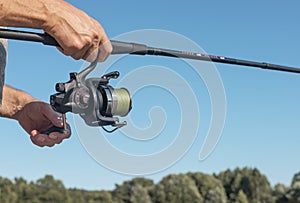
point(244, 185)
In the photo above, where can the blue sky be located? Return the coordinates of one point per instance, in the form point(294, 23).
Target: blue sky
point(263, 114)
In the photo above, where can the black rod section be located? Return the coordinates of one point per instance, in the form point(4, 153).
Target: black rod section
point(28, 36)
point(141, 49)
point(220, 59)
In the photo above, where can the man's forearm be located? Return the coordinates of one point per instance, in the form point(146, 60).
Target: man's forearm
point(23, 13)
point(13, 101)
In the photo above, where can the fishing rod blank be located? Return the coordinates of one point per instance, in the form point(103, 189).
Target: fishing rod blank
point(142, 49)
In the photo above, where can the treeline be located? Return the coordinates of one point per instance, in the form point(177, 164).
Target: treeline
point(245, 185)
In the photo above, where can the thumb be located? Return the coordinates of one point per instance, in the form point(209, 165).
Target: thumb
point(53, 116)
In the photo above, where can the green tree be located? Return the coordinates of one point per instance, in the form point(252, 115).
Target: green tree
point(280, 191)
point(103, 197)
point(255, 185)
point(51, 190)
point(78, 196)
point(140, 194)
point(209, 187)
point(98, 197)
point(7, 194)
point(291, 194)
point(177, 189)
point(128, 191)
point(241, 197)
point(26, 192)
point(296, 181)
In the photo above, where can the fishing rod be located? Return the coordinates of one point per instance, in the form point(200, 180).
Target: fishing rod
point(100, 104)
point(142, 49)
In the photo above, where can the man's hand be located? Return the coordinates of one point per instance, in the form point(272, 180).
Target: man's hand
point(37, 117)
point(78, 35)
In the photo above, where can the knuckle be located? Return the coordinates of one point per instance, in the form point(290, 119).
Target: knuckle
point(77, 45)
point(73, 47)
point(88, 40)
point(96, 34)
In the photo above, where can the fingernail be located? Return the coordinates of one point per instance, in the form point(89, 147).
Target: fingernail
point(60, 121)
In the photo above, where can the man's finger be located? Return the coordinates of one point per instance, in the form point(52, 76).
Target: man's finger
point(105, 51)
point(43, 140)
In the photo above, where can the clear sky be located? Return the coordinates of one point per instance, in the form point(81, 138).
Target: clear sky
point(262, 126)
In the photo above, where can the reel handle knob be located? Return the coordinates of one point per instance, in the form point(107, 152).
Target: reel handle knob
point(54, 129)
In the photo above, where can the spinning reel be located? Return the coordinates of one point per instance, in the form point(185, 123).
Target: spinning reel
point(97, 103)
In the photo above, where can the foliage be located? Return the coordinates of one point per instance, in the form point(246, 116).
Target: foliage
point(209, 187)
point(288, 194)
point(241, 197)
point(253, 184)
point(244, 185)
point(136, 190)
point(296, 181)
point(177, 189)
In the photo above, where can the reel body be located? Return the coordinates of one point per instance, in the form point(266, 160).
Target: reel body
point(97, 102)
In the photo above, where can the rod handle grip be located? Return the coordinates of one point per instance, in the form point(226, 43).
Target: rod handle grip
point(118, 46)
point(128, 48)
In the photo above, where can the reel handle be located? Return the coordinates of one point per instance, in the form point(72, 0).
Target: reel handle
point(63, 130)
point(54, 129)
